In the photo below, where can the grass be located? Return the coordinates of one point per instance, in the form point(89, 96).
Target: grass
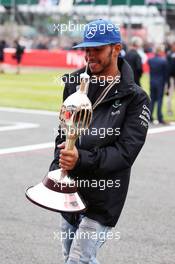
point(145, 85)
point(34, 90)
point(42, 89)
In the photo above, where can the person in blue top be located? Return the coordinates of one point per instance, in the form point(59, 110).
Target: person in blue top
point(158, 78)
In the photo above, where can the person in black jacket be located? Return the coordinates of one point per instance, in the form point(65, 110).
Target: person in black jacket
point(171, 82)
point(103, 157)
point(2, 47)
point(18, 54)
point(135, 60)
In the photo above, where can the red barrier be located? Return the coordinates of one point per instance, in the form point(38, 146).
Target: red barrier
point(145, 65)
point(45, 58)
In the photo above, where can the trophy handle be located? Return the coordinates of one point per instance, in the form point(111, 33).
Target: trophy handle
point(70, 142)
point(69, 145)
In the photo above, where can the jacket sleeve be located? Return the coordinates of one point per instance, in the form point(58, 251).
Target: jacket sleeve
point(60, 137)
point(165, 71)
point(125, 149)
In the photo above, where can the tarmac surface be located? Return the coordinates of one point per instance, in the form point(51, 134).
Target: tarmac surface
point(30, 234)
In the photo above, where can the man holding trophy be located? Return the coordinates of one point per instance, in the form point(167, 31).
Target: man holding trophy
point(106, 150)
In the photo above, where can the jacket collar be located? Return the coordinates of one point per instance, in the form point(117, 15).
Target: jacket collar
point(126, 84)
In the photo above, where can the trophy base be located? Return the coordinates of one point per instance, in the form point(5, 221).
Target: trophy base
point(55, 194)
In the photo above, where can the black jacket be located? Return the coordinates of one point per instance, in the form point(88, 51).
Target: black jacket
point(135, 61)
point(171, 63)
point(108, 158)
point(2, 47)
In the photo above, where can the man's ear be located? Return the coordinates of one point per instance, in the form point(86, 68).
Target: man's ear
point(117, 48)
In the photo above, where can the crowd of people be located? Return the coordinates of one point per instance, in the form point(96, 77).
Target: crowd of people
point(161, 71)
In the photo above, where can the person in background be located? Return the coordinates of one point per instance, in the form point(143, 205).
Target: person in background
point(123, 50)
point(18, 54)
point(158, 78)
point(171, 78)
point(134, 59)
point(2, 47)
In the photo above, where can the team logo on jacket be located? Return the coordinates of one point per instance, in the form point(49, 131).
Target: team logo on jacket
point(115, 106)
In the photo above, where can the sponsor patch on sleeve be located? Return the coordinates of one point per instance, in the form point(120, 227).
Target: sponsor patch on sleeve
point(145, 116)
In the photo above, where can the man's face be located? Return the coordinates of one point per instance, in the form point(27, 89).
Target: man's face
point(99, 58)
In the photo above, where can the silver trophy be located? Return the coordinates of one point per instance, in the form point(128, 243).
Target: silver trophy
point(57, 192)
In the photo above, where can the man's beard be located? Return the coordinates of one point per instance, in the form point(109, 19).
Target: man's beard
point(105, 65)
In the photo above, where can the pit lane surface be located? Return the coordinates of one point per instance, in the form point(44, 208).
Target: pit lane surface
point(30, 235)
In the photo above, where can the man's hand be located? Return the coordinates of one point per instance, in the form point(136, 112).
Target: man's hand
point(166, 90)
point(68, 158)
